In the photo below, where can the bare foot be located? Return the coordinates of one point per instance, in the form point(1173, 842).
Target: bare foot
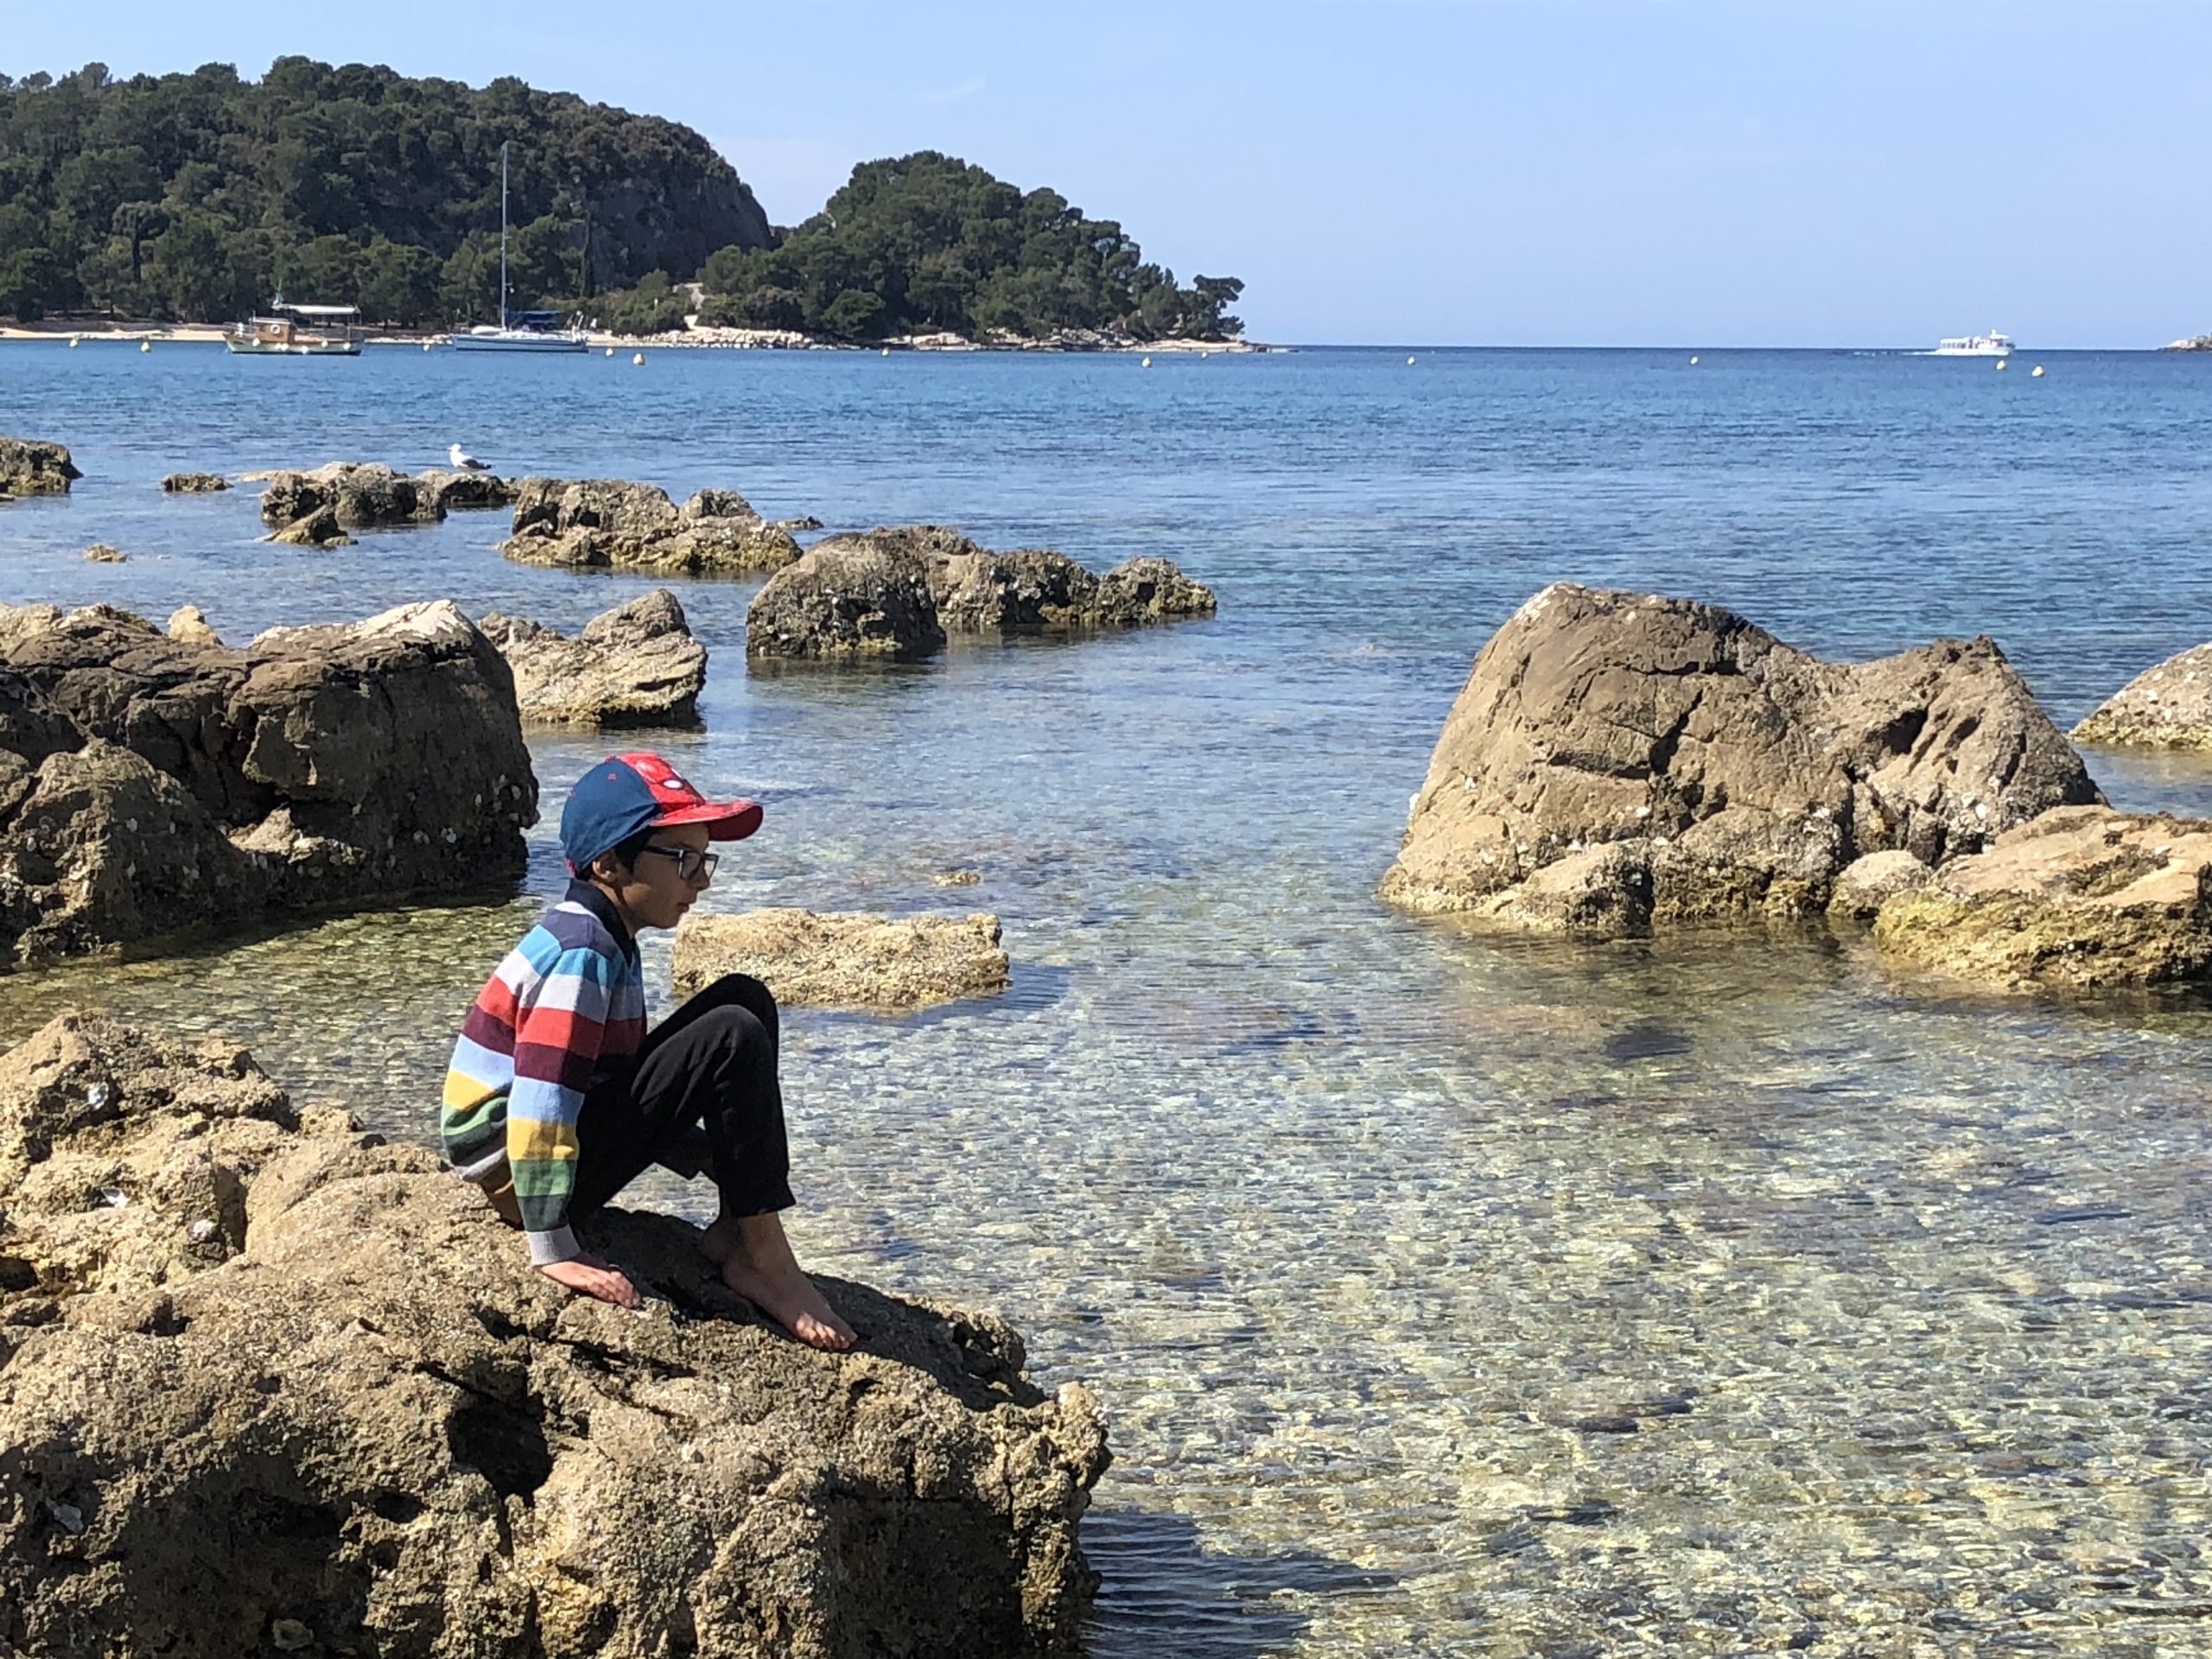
point(756, 1262)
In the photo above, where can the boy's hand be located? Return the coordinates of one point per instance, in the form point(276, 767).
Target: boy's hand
point(593, 1277)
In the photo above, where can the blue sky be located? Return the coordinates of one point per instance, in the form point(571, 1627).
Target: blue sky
point(1759, 172)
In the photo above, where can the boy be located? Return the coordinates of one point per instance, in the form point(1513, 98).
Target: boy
point(557, 1098)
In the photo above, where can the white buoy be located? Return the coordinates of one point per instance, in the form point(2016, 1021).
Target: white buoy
point(610, 351)
point(1693, 362)
point(2002, 364)
point(426, 344)
point(1146, 363)
point(74, 342)
point(1411, 361)
point(638, 360)
point(2035, 373)
point(886, 351)
point(145, 344)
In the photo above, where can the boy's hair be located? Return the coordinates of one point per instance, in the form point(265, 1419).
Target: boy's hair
point(625, 852)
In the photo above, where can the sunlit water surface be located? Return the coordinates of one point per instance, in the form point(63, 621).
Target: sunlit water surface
point(1447, 1295)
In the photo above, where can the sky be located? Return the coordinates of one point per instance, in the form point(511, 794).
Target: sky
point(1429, 172)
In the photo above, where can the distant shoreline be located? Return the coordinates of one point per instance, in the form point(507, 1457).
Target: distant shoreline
point(702, 339)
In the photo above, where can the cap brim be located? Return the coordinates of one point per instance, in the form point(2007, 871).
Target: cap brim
point(725, 820)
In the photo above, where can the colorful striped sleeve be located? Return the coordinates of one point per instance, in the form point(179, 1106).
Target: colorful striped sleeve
point(560, 1026)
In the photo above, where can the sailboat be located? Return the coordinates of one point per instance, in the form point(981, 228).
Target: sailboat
point(518, 331)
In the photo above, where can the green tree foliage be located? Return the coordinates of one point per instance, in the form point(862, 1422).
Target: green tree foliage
point(926, 243)
point(655, 306)
point(195, 195)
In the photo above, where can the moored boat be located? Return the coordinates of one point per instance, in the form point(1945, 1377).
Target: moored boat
point(518, 331)
point(297, 331)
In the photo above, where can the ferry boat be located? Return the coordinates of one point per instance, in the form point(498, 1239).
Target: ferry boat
point(1992, 343)
point(518, 331)
point(297, 331)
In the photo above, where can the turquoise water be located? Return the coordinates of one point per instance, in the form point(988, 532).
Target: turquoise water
point(1448, 1296)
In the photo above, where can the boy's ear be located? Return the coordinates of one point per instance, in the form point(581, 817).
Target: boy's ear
point(606, 867)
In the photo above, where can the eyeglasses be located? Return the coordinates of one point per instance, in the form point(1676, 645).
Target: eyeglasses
point(689, 866)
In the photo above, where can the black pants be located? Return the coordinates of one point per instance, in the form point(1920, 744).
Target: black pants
point(710, 1065)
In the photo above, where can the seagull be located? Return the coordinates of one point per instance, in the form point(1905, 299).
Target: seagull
point(467, 462)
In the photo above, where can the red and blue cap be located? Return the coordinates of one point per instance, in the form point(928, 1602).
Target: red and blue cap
point(626, 793)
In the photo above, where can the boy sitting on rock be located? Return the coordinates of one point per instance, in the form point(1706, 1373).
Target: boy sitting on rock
point(558, 1097)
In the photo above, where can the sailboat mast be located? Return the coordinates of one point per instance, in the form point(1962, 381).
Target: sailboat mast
point(503, 236)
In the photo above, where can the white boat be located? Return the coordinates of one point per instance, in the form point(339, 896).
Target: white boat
point(297, 331)
point(518, 331)
point(1992, 343)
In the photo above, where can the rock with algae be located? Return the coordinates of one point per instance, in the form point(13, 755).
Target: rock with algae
point(1618, 762)
point(615, 524)
point(267, 1381)
point(898, 593)
point(2168, 706)
point(32, 466)
point(846, 959)
point(2083, 897)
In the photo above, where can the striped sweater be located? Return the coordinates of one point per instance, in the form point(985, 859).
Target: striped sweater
point(565, 1011)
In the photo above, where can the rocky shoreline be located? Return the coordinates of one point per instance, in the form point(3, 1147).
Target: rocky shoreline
point(268, 1382)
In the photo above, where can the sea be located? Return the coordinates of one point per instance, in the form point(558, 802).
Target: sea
point(1446, 1294)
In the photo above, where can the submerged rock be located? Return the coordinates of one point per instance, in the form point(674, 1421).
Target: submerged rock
point(846, 960)
point(316, 529)
point(2083, 896)
point(194, 483)
point(857, 596)
point(1678, 764)
point(101, 553)
point(616, 525)
point(635, 665)
point(149, 785)
point(1862, 885)
point(2167, 707)
point(29, 467)
point(268, 1380)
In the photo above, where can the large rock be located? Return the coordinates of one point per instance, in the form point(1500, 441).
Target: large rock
point(446, 490)
point(635, 665)
point(612, 523)
point(358, 495)
point(28, 467)
point(151, 784)
point(846, 960)
point(1617, 762)
point(267, 1383)
point(2167, 707)
point(858, 595)
point(2083, 896)
point(852, 598)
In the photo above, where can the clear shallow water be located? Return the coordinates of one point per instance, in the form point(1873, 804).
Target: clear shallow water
point(1448, 1296)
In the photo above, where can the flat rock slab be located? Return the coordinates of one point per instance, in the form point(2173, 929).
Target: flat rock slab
point(2169, 707)
point(2083, 897)
point(194, 484)
point(269, 1383)
point(1621, 762)
point(848, 959)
